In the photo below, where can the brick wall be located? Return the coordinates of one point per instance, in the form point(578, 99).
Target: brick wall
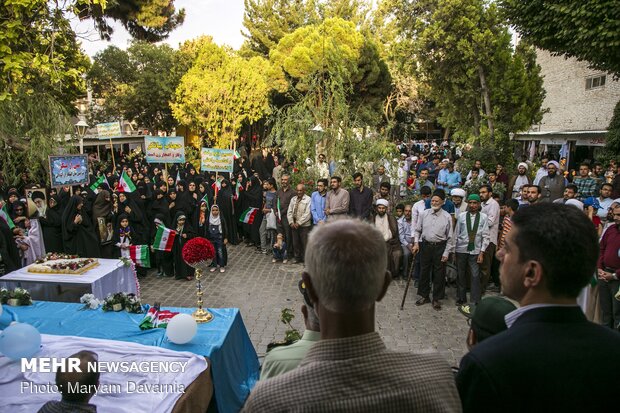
point(571, 106)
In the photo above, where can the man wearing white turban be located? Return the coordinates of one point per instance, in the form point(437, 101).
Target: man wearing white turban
point(517, 181)
point(388, 227)
point(553, 184)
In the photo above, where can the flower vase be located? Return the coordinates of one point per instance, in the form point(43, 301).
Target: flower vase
point(14, 302)
point(117, 307)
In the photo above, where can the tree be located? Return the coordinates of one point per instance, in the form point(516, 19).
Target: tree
point(148, 20)
point(39, 52)
point(333, 48)
point(137, 84)
point(38, 49)
point(587, 29)
point(221, 92)
point(612, 140)
point(344, 138)
point(31, 128)
point(268, 21)
point(464, 56)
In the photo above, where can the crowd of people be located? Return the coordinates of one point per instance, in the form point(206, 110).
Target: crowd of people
point(433, 215)
point(549, 240)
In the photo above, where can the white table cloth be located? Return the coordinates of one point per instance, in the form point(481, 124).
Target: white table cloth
point(16, 387)
point(110, 276)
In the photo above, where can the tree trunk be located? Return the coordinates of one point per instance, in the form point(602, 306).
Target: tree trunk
point(487, 104)
point(476, 130)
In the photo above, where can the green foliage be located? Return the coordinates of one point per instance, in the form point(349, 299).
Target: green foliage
point(221, 92)
point(148, 20)
point(612, 140)
point(31, 129)
point(469, 69)
point(292, 334)
point(39, 52)
point(268, 21)
point(333, 49)
point(344, 139)
point(136, 84)
point(587, 29)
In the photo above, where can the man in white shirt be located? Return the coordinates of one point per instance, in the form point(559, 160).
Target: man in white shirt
point(434, 229)
point(490, 207)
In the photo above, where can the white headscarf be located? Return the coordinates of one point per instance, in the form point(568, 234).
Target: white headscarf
point(215, 220)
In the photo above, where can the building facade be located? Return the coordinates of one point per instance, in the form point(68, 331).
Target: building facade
point(580, 102)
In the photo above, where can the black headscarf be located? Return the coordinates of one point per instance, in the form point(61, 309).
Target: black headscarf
point(101, 207)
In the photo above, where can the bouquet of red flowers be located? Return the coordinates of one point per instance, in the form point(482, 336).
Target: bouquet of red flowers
point(198, 252)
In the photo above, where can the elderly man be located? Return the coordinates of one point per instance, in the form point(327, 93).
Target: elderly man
point(350, 369)
point(336, 201)
point(551, 354)
point(470, 241)
point(552, 185)
point(434, 229)
point(300, 220)
point(517, 181)
point(387, 225)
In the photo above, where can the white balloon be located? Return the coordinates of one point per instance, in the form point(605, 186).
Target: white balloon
point(181, 329)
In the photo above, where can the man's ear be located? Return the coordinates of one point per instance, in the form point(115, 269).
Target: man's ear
point(534, 276)
point(386, 283)
point(314, 299)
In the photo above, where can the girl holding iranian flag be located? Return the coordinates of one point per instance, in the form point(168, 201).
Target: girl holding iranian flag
point(124, 238)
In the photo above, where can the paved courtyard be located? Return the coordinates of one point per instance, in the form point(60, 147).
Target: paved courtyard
point(261, 290)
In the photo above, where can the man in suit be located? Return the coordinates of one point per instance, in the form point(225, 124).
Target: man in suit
point(350, 369)
point(550, 356)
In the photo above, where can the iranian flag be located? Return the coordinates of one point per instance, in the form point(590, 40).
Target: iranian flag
point(216, 186)
point(238, 189)
point(248, 215)
point(125, 184)
point(164, 239)
point(236, 155)
point(140, 255)
point(5, 216)
point(95, 186)
point(205, 199)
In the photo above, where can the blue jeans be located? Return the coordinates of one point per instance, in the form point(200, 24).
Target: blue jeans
point(279, 253)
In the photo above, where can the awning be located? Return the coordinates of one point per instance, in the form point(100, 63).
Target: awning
point(581, 138)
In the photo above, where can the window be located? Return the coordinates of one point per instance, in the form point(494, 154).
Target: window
point(595, 81)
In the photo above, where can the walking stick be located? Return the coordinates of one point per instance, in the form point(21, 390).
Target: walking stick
point(402, 304)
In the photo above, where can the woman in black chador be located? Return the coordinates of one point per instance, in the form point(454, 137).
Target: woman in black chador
point(78, 232)
point(185, 232)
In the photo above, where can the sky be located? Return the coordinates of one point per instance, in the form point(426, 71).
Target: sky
point(221, 19)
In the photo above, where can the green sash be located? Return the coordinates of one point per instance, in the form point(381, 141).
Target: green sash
point(471, 232)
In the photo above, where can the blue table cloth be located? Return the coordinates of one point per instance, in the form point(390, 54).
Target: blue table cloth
point(224, 340)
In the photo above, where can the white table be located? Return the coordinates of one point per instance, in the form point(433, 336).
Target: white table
point(26, 391)
point(110, 276)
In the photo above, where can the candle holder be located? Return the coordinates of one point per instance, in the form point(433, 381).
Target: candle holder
point(200, 315)
point(198, 254)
